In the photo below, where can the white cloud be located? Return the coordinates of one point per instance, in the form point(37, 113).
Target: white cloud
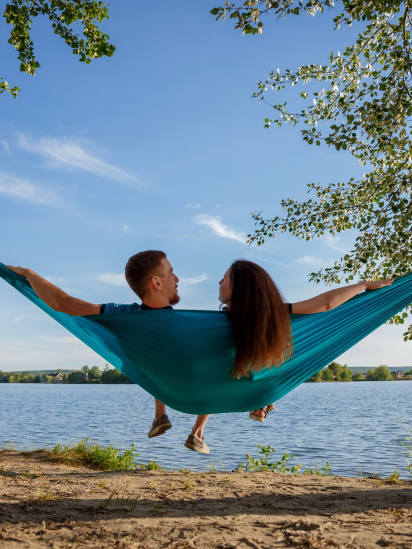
point(70, 340)
point(194, 206)
point(46, 353)
point(22, 189)
point(6, 146)
point(193, 280)
point(216, 225)
point(333, 242)
point(126, 229)
point(384, 346)
point(187, 286)
point(113, 279)
point(62, 153)
point(309, 260)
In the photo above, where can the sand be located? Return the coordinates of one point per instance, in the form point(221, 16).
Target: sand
point(51, 505)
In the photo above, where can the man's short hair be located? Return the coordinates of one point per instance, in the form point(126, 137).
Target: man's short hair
point(140, 268)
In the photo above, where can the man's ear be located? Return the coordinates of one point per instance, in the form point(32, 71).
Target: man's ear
point(155, 283)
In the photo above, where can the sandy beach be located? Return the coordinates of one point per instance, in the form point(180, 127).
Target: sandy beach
point(43, 504)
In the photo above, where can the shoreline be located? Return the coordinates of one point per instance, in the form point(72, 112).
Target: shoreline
point(43, 504)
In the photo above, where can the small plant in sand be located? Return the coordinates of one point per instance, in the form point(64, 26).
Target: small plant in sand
point(120, 500)
point(107, 458)
point(325, 470)
point(394, 477)
point(189, 484)
point(406, 442)
point(264, 463)
point(8, 447)
point(151, 466)
point(45, 496)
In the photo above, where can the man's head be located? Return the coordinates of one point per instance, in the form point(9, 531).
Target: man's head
point(150, 275)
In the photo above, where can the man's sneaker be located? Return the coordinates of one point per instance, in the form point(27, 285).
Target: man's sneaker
point(159, 426)
point(197, 444)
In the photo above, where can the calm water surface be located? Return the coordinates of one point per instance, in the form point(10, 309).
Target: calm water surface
point(353, 426)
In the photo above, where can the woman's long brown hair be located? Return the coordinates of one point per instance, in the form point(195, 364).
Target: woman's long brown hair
point(260, 318)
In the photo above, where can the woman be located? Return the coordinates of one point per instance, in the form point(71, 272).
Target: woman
point(261, 318)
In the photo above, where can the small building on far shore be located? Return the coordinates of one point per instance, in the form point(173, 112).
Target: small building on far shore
point(58, 377)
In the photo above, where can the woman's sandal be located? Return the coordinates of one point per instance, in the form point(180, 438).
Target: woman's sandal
point(265, 409)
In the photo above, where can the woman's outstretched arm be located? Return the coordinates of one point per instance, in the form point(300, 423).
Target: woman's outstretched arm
point(333, 298)
point(55, 297)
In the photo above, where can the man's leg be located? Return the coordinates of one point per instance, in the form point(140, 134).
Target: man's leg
point(160, 409)
point(200, 425)
point(195, 440)
point(161, 422)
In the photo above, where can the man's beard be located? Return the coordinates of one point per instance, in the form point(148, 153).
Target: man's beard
point(175, 299)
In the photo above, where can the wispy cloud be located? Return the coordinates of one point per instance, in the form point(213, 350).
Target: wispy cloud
point(114, 279)
point(62, 339)
point(309, 260)
point(193, 206)
point(6, 146)
point(22, 189)
point(216, 224)
point(71, 153)
point(333, 242)
point(193, 280)
point(126, 229)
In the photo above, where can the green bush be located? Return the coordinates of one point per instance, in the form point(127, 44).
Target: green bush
point(92, 453)
point(263, 463)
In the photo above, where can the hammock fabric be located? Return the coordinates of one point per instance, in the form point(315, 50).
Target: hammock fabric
point(184, 358)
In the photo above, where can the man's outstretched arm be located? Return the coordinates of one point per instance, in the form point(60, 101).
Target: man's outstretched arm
point(54, 297)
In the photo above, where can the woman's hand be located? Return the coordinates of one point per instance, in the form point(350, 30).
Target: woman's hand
point(376, 284)
point(333, 298)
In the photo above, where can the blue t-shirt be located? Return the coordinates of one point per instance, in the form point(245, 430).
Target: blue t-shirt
point(108, 308)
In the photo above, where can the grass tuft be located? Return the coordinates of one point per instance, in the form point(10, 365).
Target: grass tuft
point(94, 454)
point(406, 442)
point(323, 471)
point(189, 484)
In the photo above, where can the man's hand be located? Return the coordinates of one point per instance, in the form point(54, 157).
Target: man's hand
point(55, 297)
point(22, 271)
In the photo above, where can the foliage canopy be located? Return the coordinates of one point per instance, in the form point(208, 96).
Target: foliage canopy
point(362, 103)
point(381, 373)
point(63, 15)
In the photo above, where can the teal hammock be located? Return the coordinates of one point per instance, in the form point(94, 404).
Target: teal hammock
point(184, 358)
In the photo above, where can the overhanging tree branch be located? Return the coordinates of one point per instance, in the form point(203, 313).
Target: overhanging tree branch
point(65, 17)
point(366, 93)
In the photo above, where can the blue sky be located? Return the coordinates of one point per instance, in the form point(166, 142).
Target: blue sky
point(160, 146)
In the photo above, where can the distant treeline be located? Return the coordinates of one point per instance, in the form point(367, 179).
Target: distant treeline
point(85, 375)
point(336, 372)
point(333, 372)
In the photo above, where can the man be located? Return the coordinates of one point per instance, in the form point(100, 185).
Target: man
point(150, 275)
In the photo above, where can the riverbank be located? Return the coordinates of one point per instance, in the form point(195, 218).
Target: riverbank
point(43, 504)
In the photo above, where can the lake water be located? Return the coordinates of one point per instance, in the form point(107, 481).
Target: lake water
point(353, 426)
